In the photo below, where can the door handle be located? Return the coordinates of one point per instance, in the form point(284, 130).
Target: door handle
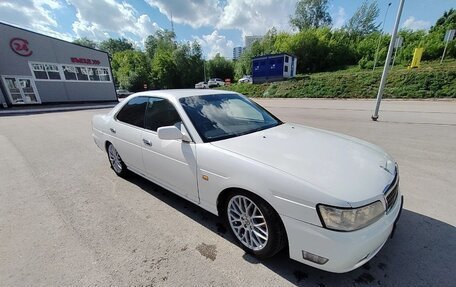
point(112, 130)
point(147, 142)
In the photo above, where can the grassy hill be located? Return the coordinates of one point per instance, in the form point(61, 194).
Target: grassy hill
point(431, 80)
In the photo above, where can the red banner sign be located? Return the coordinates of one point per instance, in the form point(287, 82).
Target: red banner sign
point(20, 47)
point(85, 61)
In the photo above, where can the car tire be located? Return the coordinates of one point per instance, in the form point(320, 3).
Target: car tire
point(254, 224)
point(116, 162)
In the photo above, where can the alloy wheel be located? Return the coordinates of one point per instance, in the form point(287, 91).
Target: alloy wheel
point(247, 222)
point(114, 158)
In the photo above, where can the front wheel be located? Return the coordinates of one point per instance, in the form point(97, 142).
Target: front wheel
point(255, 224)
point(116, 162)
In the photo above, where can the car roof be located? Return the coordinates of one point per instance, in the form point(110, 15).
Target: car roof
point(182, 93)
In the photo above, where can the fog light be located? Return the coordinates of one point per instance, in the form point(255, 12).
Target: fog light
point(314, 258)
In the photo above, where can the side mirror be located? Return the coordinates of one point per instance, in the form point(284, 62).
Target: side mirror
point(172, 133)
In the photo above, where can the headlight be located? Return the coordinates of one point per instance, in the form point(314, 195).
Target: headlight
point(350, 219)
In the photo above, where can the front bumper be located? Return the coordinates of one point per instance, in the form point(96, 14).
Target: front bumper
point(345, 251)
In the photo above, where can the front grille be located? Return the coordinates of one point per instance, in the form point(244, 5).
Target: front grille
point(392, 192)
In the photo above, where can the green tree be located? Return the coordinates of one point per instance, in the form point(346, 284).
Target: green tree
point(311, 14)
point(115, 45)
point(363, 21)
point(366, 48)
point(84, 41)
point(411, 40)
point(164, 70)
point(188, 59)
point(131, 70)
point(173, 64)
point(162, 38)
point(243, 65)
point(219, 67)
point(316, 49)
point(435, 43)
point(446, 22)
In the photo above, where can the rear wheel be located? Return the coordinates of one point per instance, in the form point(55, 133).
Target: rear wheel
point(255, 224)
point(116, 162)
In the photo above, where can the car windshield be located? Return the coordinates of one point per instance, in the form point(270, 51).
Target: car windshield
point(218, 117)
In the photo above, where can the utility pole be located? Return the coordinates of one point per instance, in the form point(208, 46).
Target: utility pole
point(204, 70)
point(172, 23)
point(388, 61)
point(380, 37)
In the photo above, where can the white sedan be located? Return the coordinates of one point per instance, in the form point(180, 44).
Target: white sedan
point(246, 79)
point(333, 200)
point(201, 85)
point(215, 82)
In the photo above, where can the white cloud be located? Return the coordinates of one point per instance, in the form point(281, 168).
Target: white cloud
point(414, 24)
point(215, 43)
point(36, 15)
point(339, 18)
point(251, 17)
point(196, 13)
point(256, 17)
point(99, 19)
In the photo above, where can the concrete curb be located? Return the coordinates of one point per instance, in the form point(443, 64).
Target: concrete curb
point(41, 110)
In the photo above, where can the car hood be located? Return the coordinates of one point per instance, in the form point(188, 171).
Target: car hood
point(344, 167)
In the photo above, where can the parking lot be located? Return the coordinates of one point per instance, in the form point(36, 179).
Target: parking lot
point(67, 219)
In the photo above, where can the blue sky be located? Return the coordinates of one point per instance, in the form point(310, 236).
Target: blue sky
point(219, 25)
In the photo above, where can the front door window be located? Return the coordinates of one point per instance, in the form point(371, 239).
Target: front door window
point(21, 90)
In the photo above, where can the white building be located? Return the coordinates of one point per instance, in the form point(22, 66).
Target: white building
point(249, 40)
point(237, 52)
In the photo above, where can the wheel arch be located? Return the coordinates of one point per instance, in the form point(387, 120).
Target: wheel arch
point(106, 144)
point(224, 194)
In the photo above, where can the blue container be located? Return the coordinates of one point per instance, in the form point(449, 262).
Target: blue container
point(276, 67)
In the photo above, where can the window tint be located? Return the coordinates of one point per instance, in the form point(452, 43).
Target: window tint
point(133, 112)
point(160, 113)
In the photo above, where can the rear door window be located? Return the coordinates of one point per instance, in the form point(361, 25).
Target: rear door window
point(133, 112)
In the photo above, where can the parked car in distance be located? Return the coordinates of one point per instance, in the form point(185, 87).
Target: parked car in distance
point(215, 82)
point(333, 200)
point(201, 85)
point(245, 79)
point(123, 93)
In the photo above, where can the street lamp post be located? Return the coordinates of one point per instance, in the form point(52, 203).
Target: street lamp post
point(204, 70)
point(380, 37)
point(388, 61)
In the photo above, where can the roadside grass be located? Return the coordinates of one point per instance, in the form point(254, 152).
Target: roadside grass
point(431, 80)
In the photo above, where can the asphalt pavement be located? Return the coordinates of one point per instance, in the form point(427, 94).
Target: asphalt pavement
point(66, 219)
